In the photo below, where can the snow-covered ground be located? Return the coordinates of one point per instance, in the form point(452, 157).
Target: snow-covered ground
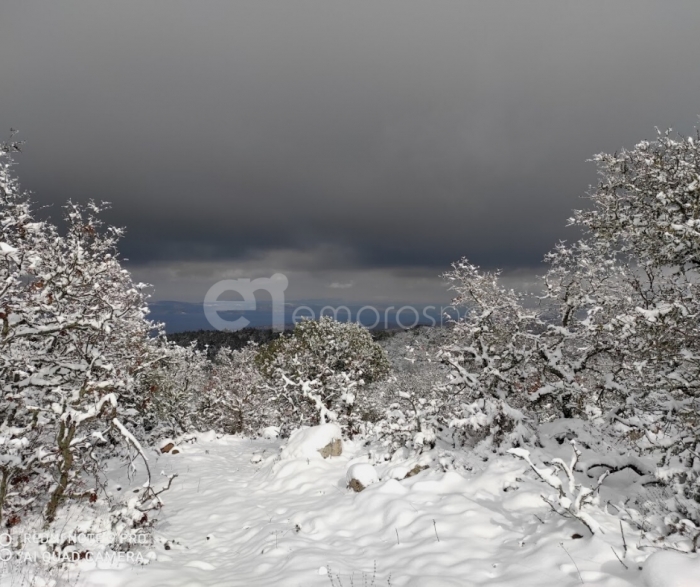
point(237, 514)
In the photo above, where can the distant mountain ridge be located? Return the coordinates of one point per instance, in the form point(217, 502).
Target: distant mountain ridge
point(188, 316)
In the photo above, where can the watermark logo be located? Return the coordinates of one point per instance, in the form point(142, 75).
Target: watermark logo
point(372, 317)
point(5, 552)
point(275, 286)
point(54, 548)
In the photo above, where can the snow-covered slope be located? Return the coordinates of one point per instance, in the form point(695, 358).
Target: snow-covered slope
point(229, 521)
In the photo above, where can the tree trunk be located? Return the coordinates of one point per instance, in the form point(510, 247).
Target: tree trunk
point(65, 437)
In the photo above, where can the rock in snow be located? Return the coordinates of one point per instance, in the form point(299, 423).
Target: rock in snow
point(313, 443)
point(361, 475)
point(167, 446)
point(333, 449)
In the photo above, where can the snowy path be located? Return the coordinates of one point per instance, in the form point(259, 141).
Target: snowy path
point(229, 522)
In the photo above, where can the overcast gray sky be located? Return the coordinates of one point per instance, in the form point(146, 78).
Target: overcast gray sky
point(358, 147)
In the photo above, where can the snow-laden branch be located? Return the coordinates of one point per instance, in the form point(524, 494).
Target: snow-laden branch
point(571, 497)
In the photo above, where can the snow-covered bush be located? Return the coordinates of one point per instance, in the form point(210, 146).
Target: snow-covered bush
point(571, 497)
point(186, 391)
point(515, 361)
point(614, 335)
point(235, 398)
point(644, 224)
point(408, 400)
point(74, 343)
point(170, 390)
point(493, 358)
point(409, 422)
point(319, 370)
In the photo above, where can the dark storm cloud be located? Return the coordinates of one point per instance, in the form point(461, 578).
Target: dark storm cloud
point(405, 134)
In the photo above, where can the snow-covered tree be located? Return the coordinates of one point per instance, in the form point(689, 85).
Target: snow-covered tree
point(644, 222)
point(408, 400)
point(74, 341)
point(235, 398)
point(614, 337)
point(170, 390)
point(492, 356)
point(319, 370)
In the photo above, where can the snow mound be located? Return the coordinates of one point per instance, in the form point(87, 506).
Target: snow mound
point(671, 569)
point(306, 443)
point(271, 432)
point(208, 436)
point(399, 472)
point(361, 473)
